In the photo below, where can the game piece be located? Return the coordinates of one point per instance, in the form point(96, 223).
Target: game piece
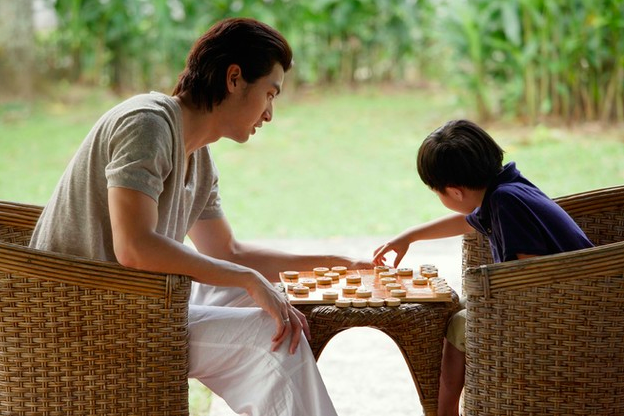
point(419, 280)
point(339, 269)
point(311, 283)
point(405, 271)
point(330, 295)
point(429, 273)
point(389, 273)
point(324, 280)
point(335, 276)
point(363, 292)
point(343, 303)
point(353, 279)
point(291, 275)
point(375, 302)
point(320, 271)
point(349, 290)
point(386, 280)
point(392, 286)
point(398, 293)
point(379, 269)
point(301, 290)
point(393, 301)
point(359, 303)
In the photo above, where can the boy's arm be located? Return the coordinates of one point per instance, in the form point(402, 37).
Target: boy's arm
point(449, 226)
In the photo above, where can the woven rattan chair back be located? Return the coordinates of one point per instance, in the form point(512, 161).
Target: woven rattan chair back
point(81, 337)
point(544, 336)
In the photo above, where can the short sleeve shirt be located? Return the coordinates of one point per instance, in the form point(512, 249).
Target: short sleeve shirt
point(517, 217)
point(136, 145)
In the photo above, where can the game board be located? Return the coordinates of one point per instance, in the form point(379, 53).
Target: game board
point(435, 290)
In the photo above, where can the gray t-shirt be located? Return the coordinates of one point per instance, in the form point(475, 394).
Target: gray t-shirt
point(136, 145)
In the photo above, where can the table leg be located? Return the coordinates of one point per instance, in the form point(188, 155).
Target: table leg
point(417, 329)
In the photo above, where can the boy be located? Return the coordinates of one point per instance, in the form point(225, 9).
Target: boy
point(144, 178)
point(462, 164)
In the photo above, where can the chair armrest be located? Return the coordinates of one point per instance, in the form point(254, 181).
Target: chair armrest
point(599, 262)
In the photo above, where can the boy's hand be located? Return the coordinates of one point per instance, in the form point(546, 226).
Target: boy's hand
point(398, 246)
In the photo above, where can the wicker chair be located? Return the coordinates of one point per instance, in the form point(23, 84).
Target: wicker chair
point(79, 336)
point(546, 335)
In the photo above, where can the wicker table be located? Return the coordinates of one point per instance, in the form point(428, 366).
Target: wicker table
point(417, 328)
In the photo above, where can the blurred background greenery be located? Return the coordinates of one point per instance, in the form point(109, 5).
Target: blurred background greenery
point(371, 79)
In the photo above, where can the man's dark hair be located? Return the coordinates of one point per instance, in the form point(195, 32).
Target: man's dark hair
point(255, 46)
point(460, 153)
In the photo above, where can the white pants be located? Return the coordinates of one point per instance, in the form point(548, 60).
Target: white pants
point(230, 353)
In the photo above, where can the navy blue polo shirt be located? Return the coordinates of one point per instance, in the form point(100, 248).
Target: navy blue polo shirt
point(517, 218)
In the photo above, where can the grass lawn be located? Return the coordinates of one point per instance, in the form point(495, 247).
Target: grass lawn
point(332, 163)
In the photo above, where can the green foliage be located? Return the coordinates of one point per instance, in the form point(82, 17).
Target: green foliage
point(544, 58)
point(535, 60)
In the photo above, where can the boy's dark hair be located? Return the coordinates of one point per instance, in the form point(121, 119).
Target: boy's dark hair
point(460, 153)
point(255, 46)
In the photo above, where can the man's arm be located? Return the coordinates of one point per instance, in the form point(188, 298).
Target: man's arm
point(214, 237)
point(134, 217)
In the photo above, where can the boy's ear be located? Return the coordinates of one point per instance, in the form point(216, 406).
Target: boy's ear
point(233, 77)
point(455, 193)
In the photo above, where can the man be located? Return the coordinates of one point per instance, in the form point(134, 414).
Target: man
point(144, 178)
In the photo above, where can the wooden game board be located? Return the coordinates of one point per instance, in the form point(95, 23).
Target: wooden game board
point(436, 290)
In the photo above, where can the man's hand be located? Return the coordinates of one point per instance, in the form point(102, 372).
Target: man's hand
point(288, 320)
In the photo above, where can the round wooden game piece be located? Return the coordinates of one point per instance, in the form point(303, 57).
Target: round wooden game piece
point(342, 303)
point(427, 266)
point(291, 286)
point(405, 271)
point(388, 273)
point(363, 292)
point(320, 271)
point(429, 273)
point(349, 290)
point(330, 295)
point(324, 281)
point(301, 290)
point(339, 269)
point(393, 301)
point(392, 286)
point(420, 281)
point(291, 275)
point(335, 276)
point(354, 279)
point(386, 280)
point(310, 283)
point(379, 269)
point(359, 303)
point(398, 293)
point(375, 302)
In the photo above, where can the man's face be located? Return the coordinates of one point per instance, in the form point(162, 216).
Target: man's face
point(253, 105)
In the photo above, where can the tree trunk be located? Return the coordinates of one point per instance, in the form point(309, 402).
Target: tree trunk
point(17, 49)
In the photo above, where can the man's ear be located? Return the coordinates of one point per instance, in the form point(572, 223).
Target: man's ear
point(456, 193)
point(234, 77)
